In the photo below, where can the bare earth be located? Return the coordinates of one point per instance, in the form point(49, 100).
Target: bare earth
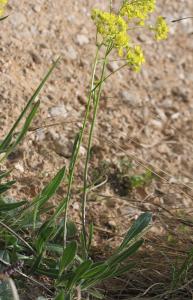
point(146, 118)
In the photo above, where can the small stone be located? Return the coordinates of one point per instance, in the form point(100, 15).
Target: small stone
point(40, 134)
point(130, 98)
point(175, 116)
point(156, 124)
point(112, 224)
point(82, 39)
point(37, 8)
point(163, 149)
point(76, 206)
point(63, 147)
point(19, 167)
point(70, 53)
point(58, 111)
point(167, 103)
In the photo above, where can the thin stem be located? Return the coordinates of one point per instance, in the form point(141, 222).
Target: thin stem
point(79, 141)
point(111, 6)
point(85, 190)
point(27, 277)
point(17, 236)
point(118, 69)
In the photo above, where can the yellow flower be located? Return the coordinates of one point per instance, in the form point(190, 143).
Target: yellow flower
point(114, 28)
point(109, 25)
point(2, 6)
point(135, 58)
point(161, 29)
point(137, 9)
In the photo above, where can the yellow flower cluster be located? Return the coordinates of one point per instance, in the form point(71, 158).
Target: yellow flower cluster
point(114, 28)
point(138, 9)
point(111, 27)
point(2, 6)
point(161, 29)
point(135, 58)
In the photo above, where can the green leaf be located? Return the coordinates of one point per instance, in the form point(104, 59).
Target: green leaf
point(124, 269)
point(6, 186)
point(55, 248)
point(91, 232)
point(4, 174)
point(25, 127)
point(96, 294)
point(51, 273)
point(8, 138)
point(68, 256)
point(43, 237)
point(108, 273)
point(11, 206)
point(121, 256)
point(78, 274)
point(48, 191)
point(95, 271)
point(37, 261)
point(137, 228)
point(60, 296)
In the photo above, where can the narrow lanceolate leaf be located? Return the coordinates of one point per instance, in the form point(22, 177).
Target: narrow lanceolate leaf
point(8, 138)
point(107, 273)
point(25, 127)
point(60, 296)
point(81, 269)
point(94, 272)
point(136, 229)
point(124, 269)
point(91, 233)
point(11, 206)
point(43, 236)
point(68, 256)
point(48, 191)
point(122, 256)
point(6, 186)
point(4, 174)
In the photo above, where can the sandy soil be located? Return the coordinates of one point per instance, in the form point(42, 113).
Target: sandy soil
point(145, 118)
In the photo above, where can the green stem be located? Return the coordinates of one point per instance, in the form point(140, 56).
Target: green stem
point(77, 148)
point(85, 190)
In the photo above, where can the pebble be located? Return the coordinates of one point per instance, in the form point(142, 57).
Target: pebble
point(82, 39)
point(130, 98)
point(156, 124)
point(58, 111)
point(40, 134)
point(70, 53)
point(63, 146)
point(19, 167)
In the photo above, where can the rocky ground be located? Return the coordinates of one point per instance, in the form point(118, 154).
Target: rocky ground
point(144, 118)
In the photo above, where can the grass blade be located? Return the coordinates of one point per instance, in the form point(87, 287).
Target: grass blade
point(68, 256)
point(137, 228)
point(48, 191)
point(8, 138)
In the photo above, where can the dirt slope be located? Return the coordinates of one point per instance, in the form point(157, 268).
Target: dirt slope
point(146, 117)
